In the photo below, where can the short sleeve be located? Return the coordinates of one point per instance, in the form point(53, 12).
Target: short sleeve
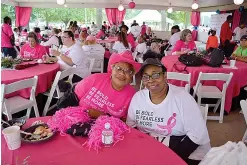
point(77, 54)
point(177, 46)
point(42, 51)
point(131, 113)
point(194, 125)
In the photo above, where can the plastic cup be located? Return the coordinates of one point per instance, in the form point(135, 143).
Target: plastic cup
point(12, 137)
point(232, 63)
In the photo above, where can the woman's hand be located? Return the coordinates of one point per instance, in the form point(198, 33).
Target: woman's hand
point(93, 113)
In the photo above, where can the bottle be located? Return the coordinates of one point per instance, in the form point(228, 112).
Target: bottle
point(107, 135)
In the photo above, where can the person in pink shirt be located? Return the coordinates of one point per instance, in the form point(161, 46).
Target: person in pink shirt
point(109, 93)
point(144, 29)
point(37, 31)
point(101, 33)
point(185, 44)
point(7, 34)
point(130, 37)
point(24, 33)
point(32, 49)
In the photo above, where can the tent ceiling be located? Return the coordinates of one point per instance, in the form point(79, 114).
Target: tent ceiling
point(141, 4)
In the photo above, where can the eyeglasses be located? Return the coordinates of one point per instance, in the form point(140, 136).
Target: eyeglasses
point(118, 69)
point(154, 76)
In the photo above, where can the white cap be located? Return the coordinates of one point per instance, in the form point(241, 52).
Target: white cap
point(107, 125)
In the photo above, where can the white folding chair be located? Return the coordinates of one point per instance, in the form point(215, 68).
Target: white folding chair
point(213, 91)
point(91, 65)
point(243, 104)
point(181, 77)
point(54, 91)
point(204, 111)
point(17, 103)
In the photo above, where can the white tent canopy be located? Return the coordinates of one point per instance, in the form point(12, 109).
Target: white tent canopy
point(149, 16)
point(206, 5)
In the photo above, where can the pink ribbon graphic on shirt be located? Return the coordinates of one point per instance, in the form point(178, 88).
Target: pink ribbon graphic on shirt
point(170, 124)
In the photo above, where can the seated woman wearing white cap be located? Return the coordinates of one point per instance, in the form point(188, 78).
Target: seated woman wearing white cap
point(94, 50)
point(169, 114)
point(103, 93)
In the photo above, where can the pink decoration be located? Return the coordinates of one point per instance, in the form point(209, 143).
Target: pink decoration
point(22, 15)
point(115, 16)
point(236, 19)
point(65, 118)
point(132, 5)
point(195, 21)
point(95, 139)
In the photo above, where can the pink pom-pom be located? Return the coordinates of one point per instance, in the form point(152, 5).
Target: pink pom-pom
point(65, 118)
point(95, 135)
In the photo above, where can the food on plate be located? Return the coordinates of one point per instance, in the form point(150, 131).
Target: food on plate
point(40, 133)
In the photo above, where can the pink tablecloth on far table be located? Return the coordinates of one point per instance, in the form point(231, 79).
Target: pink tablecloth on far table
point(238, 81)
point(137, 148)
point(45, 72)
point(107, 40)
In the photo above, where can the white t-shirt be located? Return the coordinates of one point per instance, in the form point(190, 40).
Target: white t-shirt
point(119, 47)
point(78, 57)
point(177, 115)
point(95, 51)
point(141, 48)
point(174, 38)
point(239, 33)
point(136, 30)
point(46, 32)
point(52, 41)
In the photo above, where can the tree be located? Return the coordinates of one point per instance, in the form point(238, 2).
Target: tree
point(180, 17)
point(8, 10)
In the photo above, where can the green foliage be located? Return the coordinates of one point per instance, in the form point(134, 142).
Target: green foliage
point(7, 10)
point(64, 15)
point(180, 17)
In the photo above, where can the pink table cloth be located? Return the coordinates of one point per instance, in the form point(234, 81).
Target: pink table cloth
point(107, 40)
point(137, 148)
point(238, 81)
point(45, 72)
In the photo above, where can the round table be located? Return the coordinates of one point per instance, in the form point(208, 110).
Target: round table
point(238, 80)
point(45, 72)
point(137, 148)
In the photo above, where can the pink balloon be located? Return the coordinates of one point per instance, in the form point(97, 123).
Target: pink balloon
point(132, 5)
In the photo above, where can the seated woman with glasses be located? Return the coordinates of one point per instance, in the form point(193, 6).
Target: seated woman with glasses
point(32, 49)
point(109, 93)
point(185, 44)
point(169, 114)
point(71, 55)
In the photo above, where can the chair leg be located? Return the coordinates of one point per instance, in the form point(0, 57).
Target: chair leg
point(199, 100)
point(47, 104)
point(245, 136)
point(222, 107)
point(28, 112)
point(36, 110)
point(9, 116)
point(217, 105)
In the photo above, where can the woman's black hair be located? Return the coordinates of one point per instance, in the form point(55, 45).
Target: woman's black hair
point(70, 34)
point(25, 30)
point(210, 31)
point(126, 27)
point(34, 36)
point(151, 54)
point(6, 19)
point(37, 30)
